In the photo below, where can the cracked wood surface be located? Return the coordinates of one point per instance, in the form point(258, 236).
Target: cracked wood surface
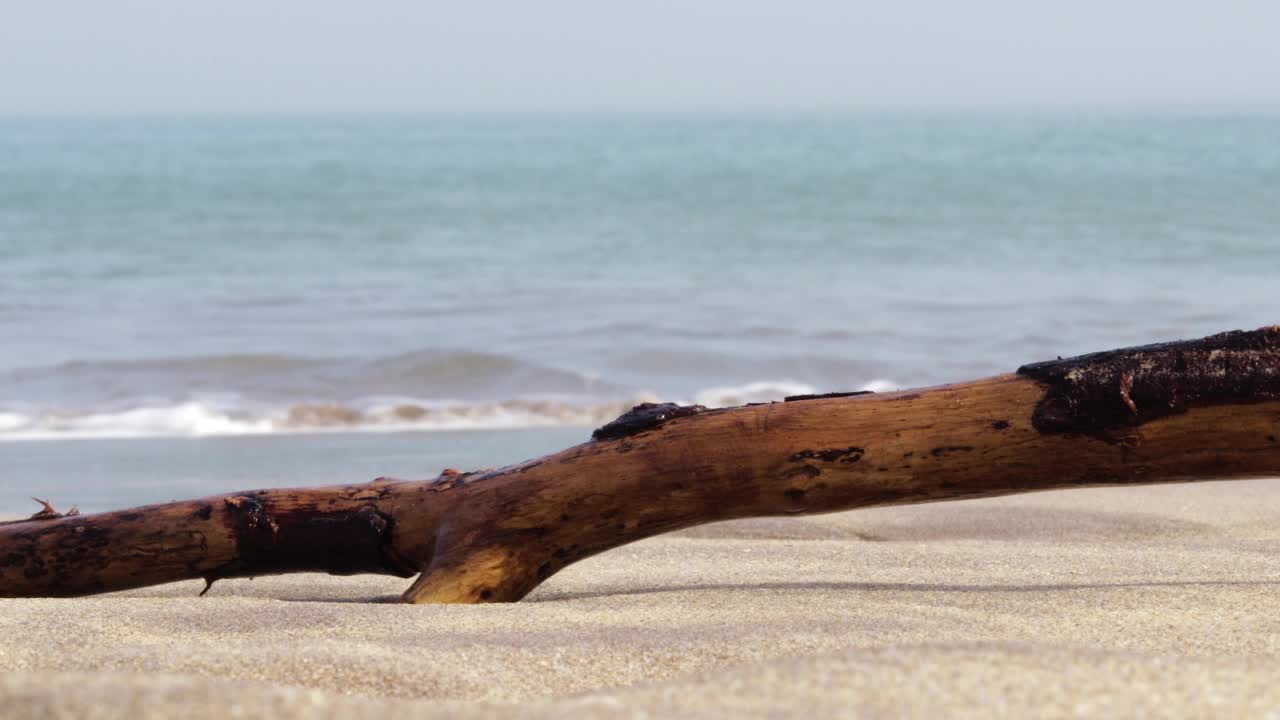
point(1206, 409)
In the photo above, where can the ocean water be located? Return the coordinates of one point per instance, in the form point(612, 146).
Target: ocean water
point(187, 303)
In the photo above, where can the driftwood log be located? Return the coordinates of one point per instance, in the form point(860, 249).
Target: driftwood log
point(1196, 410)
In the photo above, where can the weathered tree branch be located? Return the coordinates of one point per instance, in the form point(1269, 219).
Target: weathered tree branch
point(1198, 410)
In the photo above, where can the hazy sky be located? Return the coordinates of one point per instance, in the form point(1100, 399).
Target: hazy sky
point(233, 56)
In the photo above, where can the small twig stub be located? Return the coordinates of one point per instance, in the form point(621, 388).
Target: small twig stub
point(827, 396)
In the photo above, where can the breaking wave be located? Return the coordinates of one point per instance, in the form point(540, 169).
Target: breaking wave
point(212, 416)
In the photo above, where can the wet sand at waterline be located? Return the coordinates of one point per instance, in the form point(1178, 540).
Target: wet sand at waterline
point(1117, 601)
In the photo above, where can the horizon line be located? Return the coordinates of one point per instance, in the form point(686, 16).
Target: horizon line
point(1100, 107)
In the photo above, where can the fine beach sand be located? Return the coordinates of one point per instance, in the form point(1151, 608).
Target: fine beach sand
point(1123, 601)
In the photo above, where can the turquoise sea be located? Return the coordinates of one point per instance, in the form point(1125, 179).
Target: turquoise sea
point(192, 305)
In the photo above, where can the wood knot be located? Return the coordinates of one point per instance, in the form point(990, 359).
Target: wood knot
point(252, 515)
point(644, 416)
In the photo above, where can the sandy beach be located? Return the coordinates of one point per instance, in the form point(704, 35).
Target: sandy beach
point(1130, 601)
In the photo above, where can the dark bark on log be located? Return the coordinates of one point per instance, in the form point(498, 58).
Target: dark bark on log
point(1199, 410)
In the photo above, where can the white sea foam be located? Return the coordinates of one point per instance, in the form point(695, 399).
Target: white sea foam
point(189, 419)
point(881, 385)
point(11, 421)
point(195, 419)
point(765, 391)
point(214, 416)
point(772, 391)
